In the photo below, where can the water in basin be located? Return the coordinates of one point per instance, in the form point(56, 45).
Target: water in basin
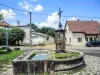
point(40, 57)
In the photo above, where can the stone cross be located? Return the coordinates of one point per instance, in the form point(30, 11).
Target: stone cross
point(59, 13)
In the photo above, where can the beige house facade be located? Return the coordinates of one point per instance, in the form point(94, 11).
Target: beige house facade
point(78, 33)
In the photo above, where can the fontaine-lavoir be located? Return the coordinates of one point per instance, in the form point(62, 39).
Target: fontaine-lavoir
point(34, 62)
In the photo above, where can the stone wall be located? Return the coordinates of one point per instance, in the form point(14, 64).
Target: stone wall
point(30, 67)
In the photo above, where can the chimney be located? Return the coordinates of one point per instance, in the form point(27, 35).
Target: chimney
point(92, 20)
point(78, 19)
point(18, 23)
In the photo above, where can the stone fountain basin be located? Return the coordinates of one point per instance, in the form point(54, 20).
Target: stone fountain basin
point(69, 63)
point(24, 65)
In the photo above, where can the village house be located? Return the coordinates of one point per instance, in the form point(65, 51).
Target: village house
point(37, 38)
point(4, 24)
point(78, 33)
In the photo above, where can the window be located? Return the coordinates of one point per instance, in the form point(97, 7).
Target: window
point(86, 38)
point(79, 39)
point(47, 38)
point(69, 40)
point(91, 39)
point(94, 38)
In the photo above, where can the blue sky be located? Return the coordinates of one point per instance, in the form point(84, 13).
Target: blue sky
point(72, 8)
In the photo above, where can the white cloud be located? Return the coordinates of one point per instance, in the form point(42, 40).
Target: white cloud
point(29, 7)
point(14, 24)
point(25, 5)
point(98, 20)
point(38, 8)
point(73, 18)
point(26, 13)
point(52, 21)
point(8, 14)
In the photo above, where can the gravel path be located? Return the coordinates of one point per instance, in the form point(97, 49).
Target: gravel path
point(92, 68)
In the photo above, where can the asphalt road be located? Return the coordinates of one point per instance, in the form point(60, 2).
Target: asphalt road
point(90, 52)
point(95, 51)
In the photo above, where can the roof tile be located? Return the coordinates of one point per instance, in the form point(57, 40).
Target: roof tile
point(4, 23)
point(88, 27)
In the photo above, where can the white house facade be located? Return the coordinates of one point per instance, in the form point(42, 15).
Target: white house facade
point(72, 38)
point(36, 38)
point(78, 33)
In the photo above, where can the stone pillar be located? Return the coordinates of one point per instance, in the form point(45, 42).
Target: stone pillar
point(45, 66)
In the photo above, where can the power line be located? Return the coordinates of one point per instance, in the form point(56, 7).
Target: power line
point(40, 14)
point(43, 14)
point(13, 8)
point(15, 15)
point(22, 10)
point(81, 16)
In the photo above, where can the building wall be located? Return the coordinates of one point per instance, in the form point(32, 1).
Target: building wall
point(36, 38)
point(72, 38)
point(2, 27)
point(68, 35)
point(26, 40)
point(49, 40)
point(42, 40)
point(76, 42)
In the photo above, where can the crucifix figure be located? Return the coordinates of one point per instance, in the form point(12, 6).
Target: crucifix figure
point(59, 13)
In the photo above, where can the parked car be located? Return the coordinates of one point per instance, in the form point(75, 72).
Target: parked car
point(93, 43)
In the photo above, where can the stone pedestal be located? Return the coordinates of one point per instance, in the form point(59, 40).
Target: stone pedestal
point(45, 66)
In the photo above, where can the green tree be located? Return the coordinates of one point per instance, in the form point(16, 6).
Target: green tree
point(16, 35)
point(1, 17)
point(2, 36)
point(48, 30)
point(51, 32)
point(44, 30)
point(33, 26)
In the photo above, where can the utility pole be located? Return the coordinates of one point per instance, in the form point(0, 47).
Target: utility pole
point(6, 37)
point(30, 28)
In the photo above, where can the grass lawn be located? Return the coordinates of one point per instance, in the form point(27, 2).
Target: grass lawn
point(7, 57)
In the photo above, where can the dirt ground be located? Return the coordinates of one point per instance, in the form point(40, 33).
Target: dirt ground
point(46, 46)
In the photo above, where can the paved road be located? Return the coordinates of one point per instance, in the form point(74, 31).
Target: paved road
point(93, 52)
point(87, 50)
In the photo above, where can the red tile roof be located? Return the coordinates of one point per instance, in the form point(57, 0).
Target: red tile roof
point(87, 27)
point(4, 23)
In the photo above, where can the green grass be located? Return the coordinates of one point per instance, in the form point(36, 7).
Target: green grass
point(7, 57)
point(65, 55)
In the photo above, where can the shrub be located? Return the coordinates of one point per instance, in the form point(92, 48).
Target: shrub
point(66, 55)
